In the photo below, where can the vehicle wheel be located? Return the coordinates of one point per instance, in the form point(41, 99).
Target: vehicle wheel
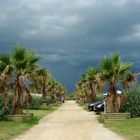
point(97, 113)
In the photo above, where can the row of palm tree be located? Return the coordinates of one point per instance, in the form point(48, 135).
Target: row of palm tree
point(111, 73)
point(90, 83)
point(20, 73)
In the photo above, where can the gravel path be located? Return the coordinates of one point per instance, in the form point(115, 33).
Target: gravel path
point(69, 122)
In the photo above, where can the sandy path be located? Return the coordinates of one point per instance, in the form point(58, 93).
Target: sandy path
point(69, 122)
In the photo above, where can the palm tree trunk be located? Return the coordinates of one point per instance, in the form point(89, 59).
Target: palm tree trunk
point(5, 96)
point(113, 100)
point(29, 95)
point(18, 98)
point(44, 95)
point(93, 92)
point(44, 100)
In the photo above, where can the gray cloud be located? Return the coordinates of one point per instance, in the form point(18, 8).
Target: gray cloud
point(71, 35)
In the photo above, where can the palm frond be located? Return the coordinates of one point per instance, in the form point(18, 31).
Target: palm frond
point(125, 67)
point(116, 59)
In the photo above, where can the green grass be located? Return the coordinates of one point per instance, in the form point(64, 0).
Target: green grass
point(9, 129)
point(130, 129)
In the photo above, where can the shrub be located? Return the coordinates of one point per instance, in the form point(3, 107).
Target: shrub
point(36, 102)
point(1, 102)
point(132, 104)
point(50, 99)
point(4, 111)
point(100, 98)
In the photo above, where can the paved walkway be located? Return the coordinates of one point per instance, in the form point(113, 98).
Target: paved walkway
point(69, 122)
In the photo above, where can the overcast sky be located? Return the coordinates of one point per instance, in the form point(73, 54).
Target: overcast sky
point(72, 34)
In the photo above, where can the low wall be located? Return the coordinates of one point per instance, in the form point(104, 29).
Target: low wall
point(19, 117)
point(114, 116)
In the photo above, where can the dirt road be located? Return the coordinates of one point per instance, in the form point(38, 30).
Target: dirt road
point(69, 122)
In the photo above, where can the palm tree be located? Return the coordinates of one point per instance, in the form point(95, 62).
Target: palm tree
point(43, 75)
point(5, 76)
point(24, 63)
point(113, 72)
point(91, 81)
point(60, 91)
point(129, 81)
point(51, 87)
point(56, 89)
point(90, 84)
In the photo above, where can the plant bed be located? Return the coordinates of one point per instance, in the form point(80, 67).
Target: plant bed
point(114, 116)
point(19, 117)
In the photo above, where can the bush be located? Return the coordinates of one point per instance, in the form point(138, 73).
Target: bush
point(36, 102)
point(100, 98)
point(4, 111)
point(50, 100)
point(132, 104)
point(1, 102)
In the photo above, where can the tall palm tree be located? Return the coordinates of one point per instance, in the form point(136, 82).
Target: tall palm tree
point(5, 76)
point(129, 81)
point(24, 63)
point(56, 90)
point(60, 91)
point(91, 81)
point(113, 71)
point(90, 84)
point(43, 76)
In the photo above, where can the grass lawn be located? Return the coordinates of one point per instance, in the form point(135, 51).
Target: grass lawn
point(9, 129)
point(130, 129)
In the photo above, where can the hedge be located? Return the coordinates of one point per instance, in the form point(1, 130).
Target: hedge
point(132, 104)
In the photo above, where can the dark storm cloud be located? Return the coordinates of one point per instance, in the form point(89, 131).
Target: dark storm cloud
point(72, 34)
